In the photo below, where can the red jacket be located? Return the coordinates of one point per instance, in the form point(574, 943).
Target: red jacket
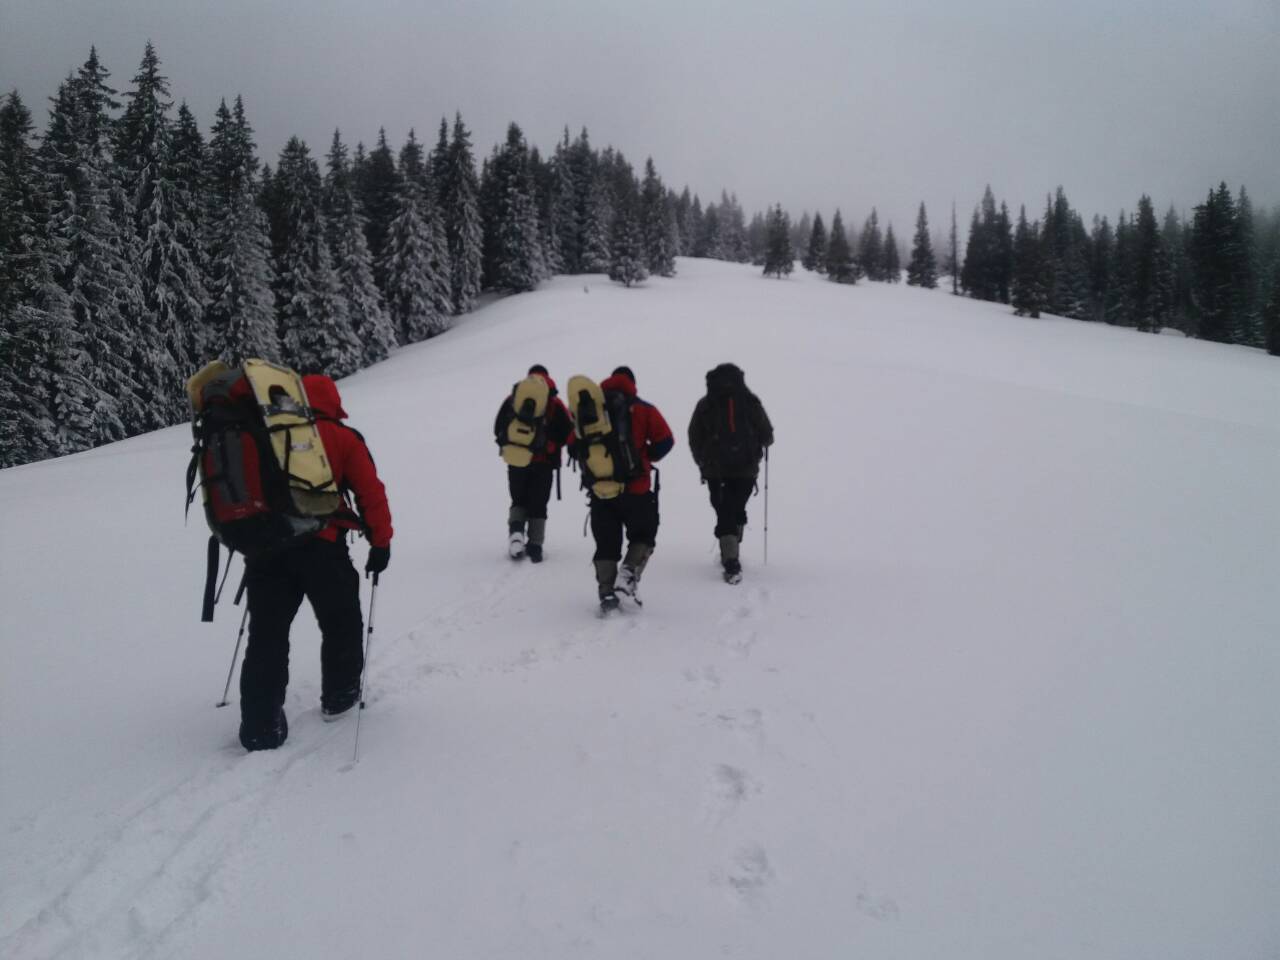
point(652, 436)
point(353, 467)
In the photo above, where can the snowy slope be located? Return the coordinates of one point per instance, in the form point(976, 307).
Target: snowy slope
point(1007, 687)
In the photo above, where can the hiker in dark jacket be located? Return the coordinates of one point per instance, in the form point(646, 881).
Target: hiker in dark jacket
point(635, 510)
point(319, 569)
point(728, 434)
point(530, 487)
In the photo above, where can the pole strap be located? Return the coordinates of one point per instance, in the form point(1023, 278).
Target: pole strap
point(210, 582)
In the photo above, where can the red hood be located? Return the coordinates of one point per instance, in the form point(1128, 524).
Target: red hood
point(322, 394)
point(619, 382)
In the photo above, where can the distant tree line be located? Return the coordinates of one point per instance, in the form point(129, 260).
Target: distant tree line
point(1215, 276)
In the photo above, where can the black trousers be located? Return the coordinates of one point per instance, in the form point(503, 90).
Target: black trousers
point(729, 500)
point(321, 572)
point(530, 488)
point(637, 513)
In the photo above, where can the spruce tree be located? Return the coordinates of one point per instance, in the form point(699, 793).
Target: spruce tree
point(94, 256)
point(779, 257)
point(315, 321)
point(660, 256)
point(378, 190)
point(1247, 327)
point(512, 230)
point(1213, 265)
point(628, 263)
point(1120, 310)
point(240, 321)
point(892, 270)
point(1102, 256)
point(1149, 300)
point(170, 260)
point(840, 264)
point(871, 248)
point(1175, 270)
point(815, 256)
point(1271, 312)
point(953, 254)
point(459, 194)
point(352, 264)
point(922, 268)
point(1028, 289)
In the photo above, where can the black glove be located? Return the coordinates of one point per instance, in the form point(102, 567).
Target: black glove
point(379, 557)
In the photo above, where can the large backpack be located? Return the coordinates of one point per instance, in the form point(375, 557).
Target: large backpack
point(259, 461)
point(735, 444)
point(522, 426)
point(603, 424)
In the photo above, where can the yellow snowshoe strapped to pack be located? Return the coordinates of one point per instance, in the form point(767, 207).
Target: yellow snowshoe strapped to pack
point(596, 435)
point(525, 432)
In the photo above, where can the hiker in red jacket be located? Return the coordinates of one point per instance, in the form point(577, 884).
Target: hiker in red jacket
point(318, 568)
point(636, 508)
point(530, 486)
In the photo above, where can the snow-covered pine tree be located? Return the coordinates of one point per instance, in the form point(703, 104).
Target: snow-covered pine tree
point(684, 223)
point(1271, 312)
point(345, 232)
point(952, 265)
point(315, 321)
point(659, 255)
point(922, 268)
point(871, 248)
point(841, 267)
point(597, 221)
point(543, 178)
point(1149, 300)
point(407, 264)
point(709, 242)
point(93, 246)
point(168, 241)
point(892, 270)
point(801, 234)
point(1176, 272)
point(1247, 327)
point(779, 256)
point(758, 238)
point(240, 321)
point(1028, 285)
point(39, 418)
point(459, 191)
point(1120, 307)
point(515, 233)
point(378, 189)
point(815, 255)
point(628, 263)
point(1101, 253)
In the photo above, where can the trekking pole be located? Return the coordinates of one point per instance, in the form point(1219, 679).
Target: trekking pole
point(244, 581)
point(368, 642)
point(766, 506)
point(234, 657)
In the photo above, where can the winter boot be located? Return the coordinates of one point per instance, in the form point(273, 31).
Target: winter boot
point(515, 532)
point(729, 558)
point(339, 704)
point(264, 734)
point(606, 574)
point(632, 567)
point(537, 532)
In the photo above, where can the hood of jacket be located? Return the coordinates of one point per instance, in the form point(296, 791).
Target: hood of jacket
point(726, 378)
point(322, 394)
point(621, 382)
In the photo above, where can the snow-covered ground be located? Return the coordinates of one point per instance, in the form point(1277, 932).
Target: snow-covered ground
point(1009, 686)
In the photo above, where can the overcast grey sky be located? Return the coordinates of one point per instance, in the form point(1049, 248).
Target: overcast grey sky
point(812, 103)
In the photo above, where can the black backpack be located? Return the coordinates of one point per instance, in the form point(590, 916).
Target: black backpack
point(734, 443)
point(627, 464)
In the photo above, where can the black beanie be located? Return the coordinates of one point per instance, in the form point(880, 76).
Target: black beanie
point(626, 372)
point(538, 368)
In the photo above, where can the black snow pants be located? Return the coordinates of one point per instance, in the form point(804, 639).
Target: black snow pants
point(530, 488)
point(729, 499)
point(637, 513)
point(320, 571)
